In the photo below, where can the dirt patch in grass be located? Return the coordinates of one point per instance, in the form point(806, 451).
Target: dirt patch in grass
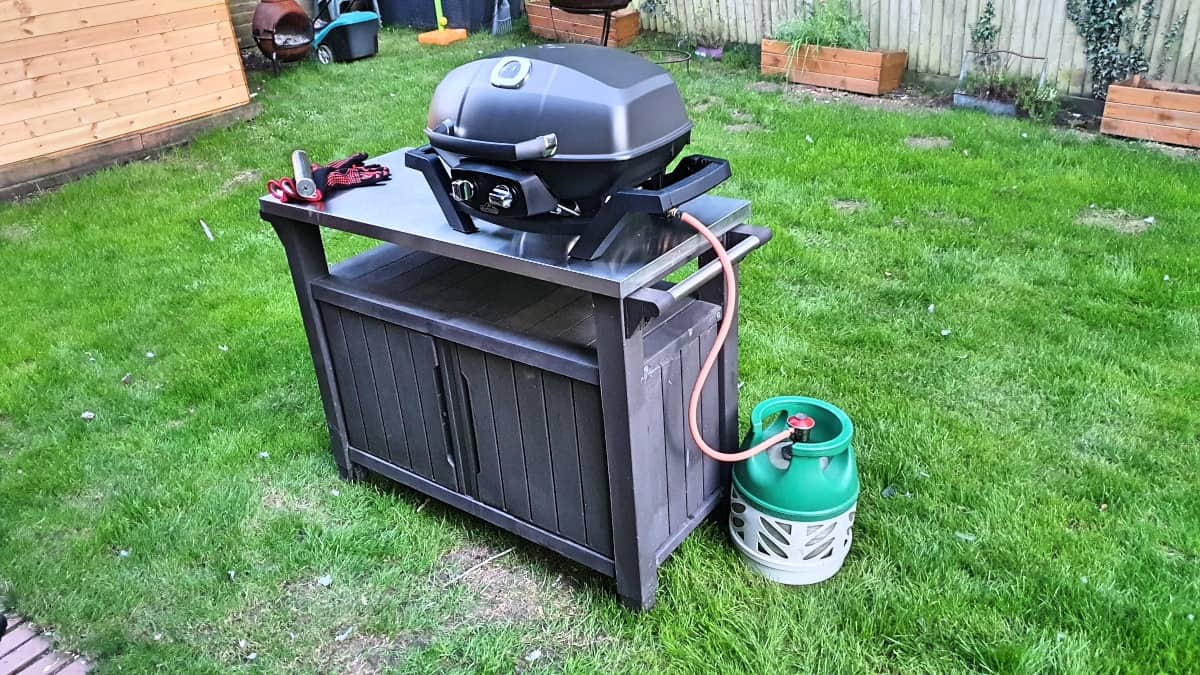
point(948, 218)
point(1176, 151)
point(362, 654)
point(765, 87)
point(277, 499)
point(707, 103)
point(745, 128)
point(1081, 135)
point(905, 99)
point(848, 206)
point(504, 592)
point(241, 178)
point(928, 142)
point(1113, 219)
point(15, 233)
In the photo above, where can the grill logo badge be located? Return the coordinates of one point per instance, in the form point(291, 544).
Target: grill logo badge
point(511, 72)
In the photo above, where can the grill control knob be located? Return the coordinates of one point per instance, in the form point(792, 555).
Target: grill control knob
point(462, 190)
point(501, 197)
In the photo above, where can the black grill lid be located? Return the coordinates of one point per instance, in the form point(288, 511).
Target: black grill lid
point(602, 104)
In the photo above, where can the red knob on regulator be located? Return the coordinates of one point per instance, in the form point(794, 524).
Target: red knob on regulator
point(802, 422)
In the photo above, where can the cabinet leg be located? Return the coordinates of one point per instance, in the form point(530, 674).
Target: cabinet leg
point(353, 473)
point(642, 601)
point(638, 505)
point(306, 258)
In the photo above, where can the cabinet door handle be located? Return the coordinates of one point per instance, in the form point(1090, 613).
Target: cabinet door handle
point(466, 388)
point(440, 385)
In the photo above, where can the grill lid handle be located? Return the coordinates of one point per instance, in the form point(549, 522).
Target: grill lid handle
point(539, 147)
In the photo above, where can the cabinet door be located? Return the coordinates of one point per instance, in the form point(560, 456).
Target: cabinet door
point(533, 446)
point(392, 392)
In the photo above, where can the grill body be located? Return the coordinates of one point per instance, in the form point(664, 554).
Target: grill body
point(560, 139)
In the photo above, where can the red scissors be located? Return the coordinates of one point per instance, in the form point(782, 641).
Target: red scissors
point(285, 191)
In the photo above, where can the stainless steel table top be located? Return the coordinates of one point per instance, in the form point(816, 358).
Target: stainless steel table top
point(404, 212)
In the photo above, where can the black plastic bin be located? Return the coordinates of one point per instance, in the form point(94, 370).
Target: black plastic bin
point(354, 36)
point(473, 15)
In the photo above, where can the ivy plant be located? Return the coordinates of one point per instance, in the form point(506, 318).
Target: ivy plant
point(1115, 35)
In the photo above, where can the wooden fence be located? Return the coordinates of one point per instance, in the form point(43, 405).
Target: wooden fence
point(935, 32)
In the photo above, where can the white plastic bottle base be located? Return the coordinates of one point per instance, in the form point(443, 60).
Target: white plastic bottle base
point(790, 552)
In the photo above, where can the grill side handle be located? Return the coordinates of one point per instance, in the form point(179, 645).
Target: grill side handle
point(662, 298)
point(693, 176)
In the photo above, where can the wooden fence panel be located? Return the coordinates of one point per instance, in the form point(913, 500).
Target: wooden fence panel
point(935, 32)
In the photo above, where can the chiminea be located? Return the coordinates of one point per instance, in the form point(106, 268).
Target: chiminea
point(282, 30)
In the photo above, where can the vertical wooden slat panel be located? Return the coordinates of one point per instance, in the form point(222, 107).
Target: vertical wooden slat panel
point(593, 461)
point(737, 11)
point(939, 35)
point(1083, 78)
point(489, 481)
point(871, 13)
point(1068, 53)
point(406, 379)
point(1056, 45)
point(1188, 69)
point(693, 468)
point(669, 398)
point(956, 29)
point(535, 438)
point(1016, 35)
point(1154, 45)
point(962, 35)
point(364, 384)
point(907, 26)
point(893, 32)
point(934, 39)
point(564, 457)
point(1187, 65)
point(710, 422)
point(344, 373)
point(385, 384)
point(508, 435)
point(1039, 44)
point(1192, 38)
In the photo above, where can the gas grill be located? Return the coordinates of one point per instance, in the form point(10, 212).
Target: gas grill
point(561, 139)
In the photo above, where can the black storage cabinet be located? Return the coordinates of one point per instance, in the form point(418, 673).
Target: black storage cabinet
point(546, 396)
point(474, 15)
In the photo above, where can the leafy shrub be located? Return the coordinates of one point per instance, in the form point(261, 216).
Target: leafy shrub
point(829, 23)
point(1115, 33)
point(1038, 101)
point(1035, 100)
point(985, 31)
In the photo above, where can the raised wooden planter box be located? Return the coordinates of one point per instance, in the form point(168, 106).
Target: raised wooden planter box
point(1153, 110)
point(555, 24)
point(863, 72)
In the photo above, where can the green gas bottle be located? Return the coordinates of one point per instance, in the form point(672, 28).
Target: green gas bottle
point(792, 506)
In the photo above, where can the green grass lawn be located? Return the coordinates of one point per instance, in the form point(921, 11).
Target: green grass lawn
point(1044, 454)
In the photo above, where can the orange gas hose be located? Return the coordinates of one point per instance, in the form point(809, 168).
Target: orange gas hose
point(727, 315)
